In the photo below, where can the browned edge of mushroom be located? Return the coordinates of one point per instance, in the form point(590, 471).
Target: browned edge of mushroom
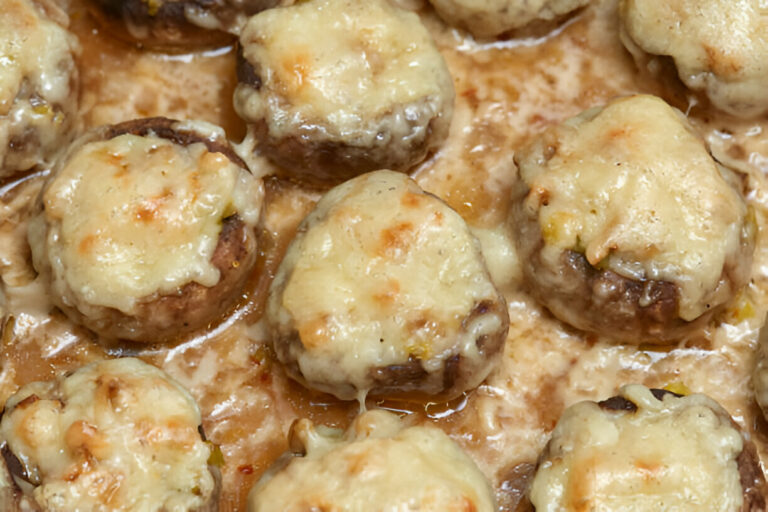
point(164, 24)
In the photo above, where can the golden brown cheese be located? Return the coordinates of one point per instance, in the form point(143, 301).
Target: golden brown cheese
point(678, 453)
point(135, 216)
point(38, 98)
point(634, 189)
point(117, 435)
point(491, 18)
point(719, 46)
point(382, 274)
point(376, 463)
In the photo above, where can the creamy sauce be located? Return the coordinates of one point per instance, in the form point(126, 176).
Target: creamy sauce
point(506, 92)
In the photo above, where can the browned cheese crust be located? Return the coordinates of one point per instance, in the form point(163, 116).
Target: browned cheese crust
point(163, 316)
point(94, 442)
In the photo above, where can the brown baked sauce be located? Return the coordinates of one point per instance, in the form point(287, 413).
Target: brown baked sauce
point(506, 92)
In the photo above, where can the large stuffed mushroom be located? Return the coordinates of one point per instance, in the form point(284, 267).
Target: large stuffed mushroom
point(626, 225)
point(377, 461)
point(384, 291)
point(334, 88)
point(145, 230)
point(648, 450)
point(720, 47)
point(38, 83)
point(180, 23)
point(493, 18)
point(117, 435)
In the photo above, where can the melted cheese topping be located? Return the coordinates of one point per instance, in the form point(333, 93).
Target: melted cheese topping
point(134, 216)
point(676, 454)
point(36, 68)
point(633, 188)
point(719, 46)
point(342, 64)
point(117, 435)
point(376, 462)
point(382, 272)
point(489, 18)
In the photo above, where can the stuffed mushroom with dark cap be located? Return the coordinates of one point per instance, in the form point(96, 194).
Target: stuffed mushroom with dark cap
point(180, 23)
point(378, 462)
point(627, 226)
point(145, 229)
point(38, 83)
point(334, 88)
point(384, 291)
point(116, 435)
point(492, 18)
point(719, 47)
point(648, 450)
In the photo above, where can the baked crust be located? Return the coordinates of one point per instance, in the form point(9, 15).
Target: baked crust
point(40, 84)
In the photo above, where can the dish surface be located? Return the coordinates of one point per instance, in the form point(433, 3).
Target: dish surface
point(506, 92)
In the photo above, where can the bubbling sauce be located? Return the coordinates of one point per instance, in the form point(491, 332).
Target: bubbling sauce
point(506, 92)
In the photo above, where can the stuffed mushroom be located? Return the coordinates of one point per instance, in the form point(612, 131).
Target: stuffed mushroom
point(493, 18)
point(647, 450)
point(179, 23)
point(117, 435)
point(38, 84)
point(384, 291)
point(720, 47)
point(626, 225)
point(377, 462)
point(145, 230)
point(334, 88)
